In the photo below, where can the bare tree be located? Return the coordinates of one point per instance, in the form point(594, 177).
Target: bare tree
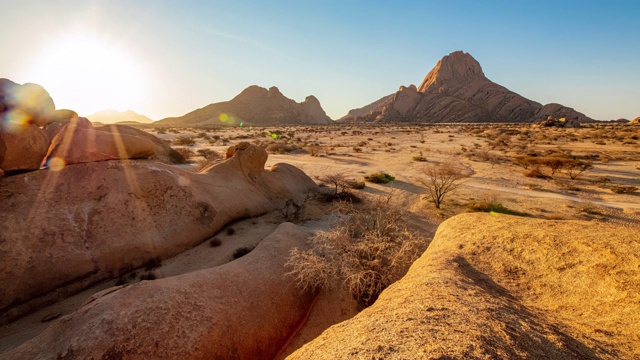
point(339, 182)
point(442, 179)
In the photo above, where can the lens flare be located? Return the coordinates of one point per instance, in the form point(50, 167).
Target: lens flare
point(223, 117)
point(14, 121)
point(275, 136)
point(184, 181)
point(56, 164)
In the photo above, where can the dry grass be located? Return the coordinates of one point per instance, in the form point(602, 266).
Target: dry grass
point(366, 252)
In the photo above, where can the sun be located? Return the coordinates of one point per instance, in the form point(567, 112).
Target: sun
point(87, 74)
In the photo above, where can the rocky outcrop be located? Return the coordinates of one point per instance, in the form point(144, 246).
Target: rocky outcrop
point(457, 91)
point(635, 121)
point(246, 309)
point(161, 150)
point(497, 286)
point(254, 106)
point(28, 103)
point(22, 148)
point(92, 221)
point(557, 111)
point(62, 116)
point(79, 142)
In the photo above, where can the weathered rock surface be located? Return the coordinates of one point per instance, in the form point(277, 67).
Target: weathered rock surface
point(93, 221)
point(246, 309)
point(22, 148)
point(454, 91)
point(161, 152)
point(62, 116)
point(507, 288)
point(80, 142)
point(255, 106)
point(32, 100)
point(635, 121)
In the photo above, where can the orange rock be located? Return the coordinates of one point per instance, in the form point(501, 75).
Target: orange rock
point(80, 142)
point(22, 148)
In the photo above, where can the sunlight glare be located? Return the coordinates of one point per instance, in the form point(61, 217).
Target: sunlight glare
point(87, 74)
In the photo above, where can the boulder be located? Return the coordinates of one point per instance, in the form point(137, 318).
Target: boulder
point(52, 129)
point(31, 99)
point(161, 152)
point(79, 142)
point(635, 121)
point(1, 173)
point(22, 148)
point(504, 287)
point(65, 230)
point(246, 309)
point(62, 116)
point(553, 111)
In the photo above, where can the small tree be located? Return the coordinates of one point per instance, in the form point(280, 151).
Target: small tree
point(339, 182)
point(441, 180)
point(577, 167)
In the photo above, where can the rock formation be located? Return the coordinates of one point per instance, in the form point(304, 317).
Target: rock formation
point(635, 121)
point(22, 148)
point(91, 221)
point(28, 103)
point(512, 288)
point(254, 106)
point(457, 91)
point(80, 142)
point(113, 116)
point(246, 309)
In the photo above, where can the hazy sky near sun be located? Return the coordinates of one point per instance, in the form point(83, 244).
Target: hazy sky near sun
point(166, 58)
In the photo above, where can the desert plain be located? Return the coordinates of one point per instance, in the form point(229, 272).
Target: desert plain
point(538, 263)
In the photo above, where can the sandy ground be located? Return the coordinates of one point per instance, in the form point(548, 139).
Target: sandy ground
point(358, 151)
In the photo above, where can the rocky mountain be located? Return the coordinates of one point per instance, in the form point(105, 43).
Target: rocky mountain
point(255, 106)
point(113, 116)
point(456, 90)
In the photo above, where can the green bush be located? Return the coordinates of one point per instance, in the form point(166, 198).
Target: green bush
point(379, 178)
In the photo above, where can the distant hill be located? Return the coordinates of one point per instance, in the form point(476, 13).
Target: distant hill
point(457, 91)
point(113, 116)
point(255, 106)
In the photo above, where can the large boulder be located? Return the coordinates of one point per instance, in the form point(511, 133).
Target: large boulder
point(31, 99)
point(62, 116)
point(246, 309)
point(80, 142)
point(22, 148)
point(161, 152)
point(94, 221)
point(504, 287)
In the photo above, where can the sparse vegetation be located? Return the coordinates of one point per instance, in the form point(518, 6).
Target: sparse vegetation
point(441, 180)
point(493, 207)
point(379, 178)
point(365, 253)
point(622, 189)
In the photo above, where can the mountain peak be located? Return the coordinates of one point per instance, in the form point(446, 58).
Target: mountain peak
point(457, 66)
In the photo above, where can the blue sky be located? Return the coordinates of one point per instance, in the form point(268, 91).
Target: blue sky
point(187, 54)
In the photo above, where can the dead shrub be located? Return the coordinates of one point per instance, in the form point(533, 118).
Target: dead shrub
point(185, 152)
point(622, 189)
point(367, 251)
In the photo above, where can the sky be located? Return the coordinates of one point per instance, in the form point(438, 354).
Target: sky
point(165, 58)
